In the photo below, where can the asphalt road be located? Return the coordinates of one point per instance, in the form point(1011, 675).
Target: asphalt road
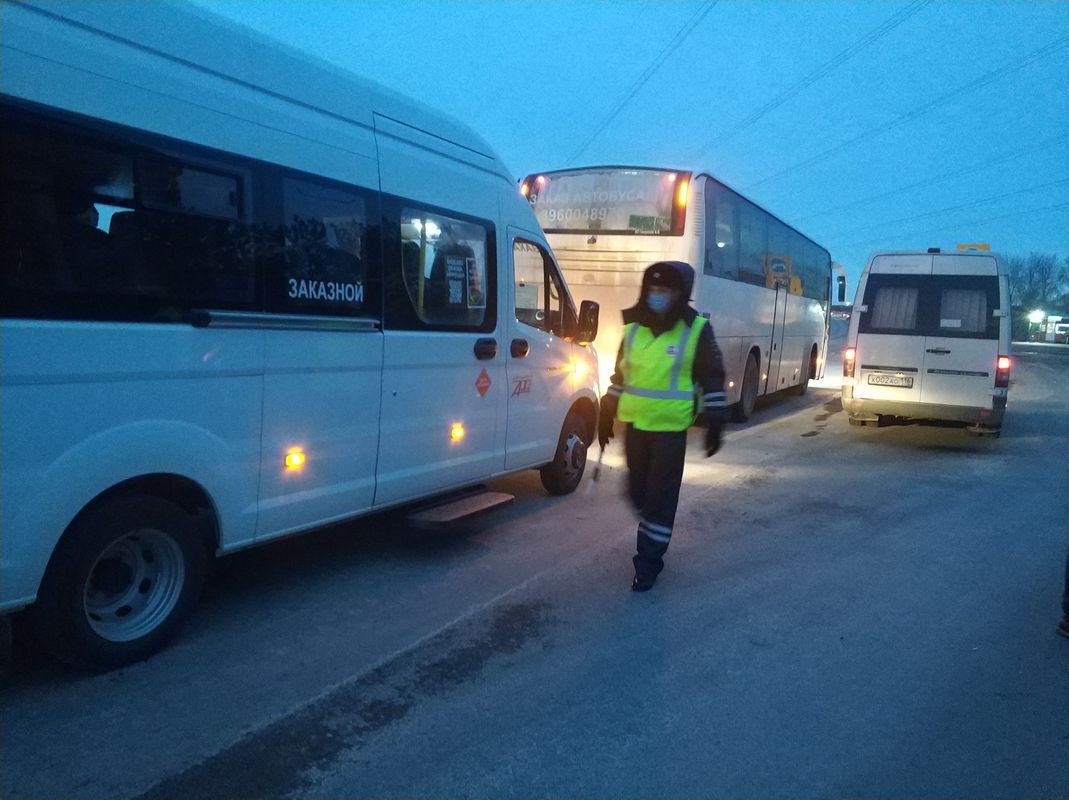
point(845, 612)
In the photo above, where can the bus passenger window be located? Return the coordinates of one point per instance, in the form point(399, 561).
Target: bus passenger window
point(722, 241)
point(753, 244)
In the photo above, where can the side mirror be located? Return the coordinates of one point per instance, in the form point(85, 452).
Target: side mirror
point(841, 281)
point(588, 321)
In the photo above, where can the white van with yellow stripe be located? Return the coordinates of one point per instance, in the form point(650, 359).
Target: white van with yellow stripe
point(930, 339)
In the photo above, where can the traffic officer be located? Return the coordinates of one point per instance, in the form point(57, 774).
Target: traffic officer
point(667, 352)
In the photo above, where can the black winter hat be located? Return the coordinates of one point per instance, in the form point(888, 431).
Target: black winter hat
point(659, 275)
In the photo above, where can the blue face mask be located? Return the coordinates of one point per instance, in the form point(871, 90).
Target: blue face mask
point(658, 303)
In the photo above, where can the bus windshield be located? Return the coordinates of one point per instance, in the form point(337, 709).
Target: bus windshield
point(609, 200)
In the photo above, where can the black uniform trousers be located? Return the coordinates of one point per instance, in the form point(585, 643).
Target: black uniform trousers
point(655, 472)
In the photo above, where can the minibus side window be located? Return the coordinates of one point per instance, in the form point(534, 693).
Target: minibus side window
point(171, 185)
point(99, 226)
point(317, 261)
point(187, 239)
point(445, 272)
point(58, 197)
point(541, 300)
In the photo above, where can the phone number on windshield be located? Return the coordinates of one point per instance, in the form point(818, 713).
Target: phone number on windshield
point(569, 214)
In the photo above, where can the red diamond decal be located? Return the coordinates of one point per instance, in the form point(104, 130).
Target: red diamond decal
point(482, 383)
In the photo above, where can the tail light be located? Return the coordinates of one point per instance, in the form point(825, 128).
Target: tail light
point(531, 186)
point(679, 206)
point(1002, 372)
point(681, 193)
point(849, 359)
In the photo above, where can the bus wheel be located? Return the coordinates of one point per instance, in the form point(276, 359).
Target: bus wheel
point(563, 473)
point(743, 409)
point(120, 583)
point(807, 373)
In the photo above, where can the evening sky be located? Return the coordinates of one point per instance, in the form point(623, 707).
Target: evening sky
point(866, 125)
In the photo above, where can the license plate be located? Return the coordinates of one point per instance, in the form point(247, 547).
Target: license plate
point(891, 380)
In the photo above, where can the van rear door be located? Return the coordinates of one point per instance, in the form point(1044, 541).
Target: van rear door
point(891, 341)
point(962, 347)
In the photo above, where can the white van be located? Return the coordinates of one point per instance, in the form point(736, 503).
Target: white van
point(929, 339)
point(245, 294)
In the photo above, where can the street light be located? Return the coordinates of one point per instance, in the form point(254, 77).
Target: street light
point(1037, 316)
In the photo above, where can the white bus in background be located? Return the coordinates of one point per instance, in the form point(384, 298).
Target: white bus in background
point(764, 286)
point(244, 294)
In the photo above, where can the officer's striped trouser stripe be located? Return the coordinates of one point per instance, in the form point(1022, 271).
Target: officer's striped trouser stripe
point(659, 533)
point(714, 399)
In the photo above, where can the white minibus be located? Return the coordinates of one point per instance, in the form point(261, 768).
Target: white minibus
point(764, 286)
point(929, 340)
point(245, 294)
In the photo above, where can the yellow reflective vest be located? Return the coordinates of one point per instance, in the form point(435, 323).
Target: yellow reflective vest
point(659, 392)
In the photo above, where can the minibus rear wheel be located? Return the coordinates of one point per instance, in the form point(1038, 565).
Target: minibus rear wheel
point(120, 583)
point(563, 473)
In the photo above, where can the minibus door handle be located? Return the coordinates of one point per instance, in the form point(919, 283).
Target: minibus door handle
point(485, 349)
point(519, 348)
point(939, 351)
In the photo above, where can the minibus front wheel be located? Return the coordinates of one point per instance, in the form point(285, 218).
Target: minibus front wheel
point(563, 473)
point(120, 583)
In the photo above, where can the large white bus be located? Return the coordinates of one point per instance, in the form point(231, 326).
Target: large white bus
point(765, 286)
point(245, 294)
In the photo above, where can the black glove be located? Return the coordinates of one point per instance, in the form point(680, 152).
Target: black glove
point(713, 434)
point(605, 419)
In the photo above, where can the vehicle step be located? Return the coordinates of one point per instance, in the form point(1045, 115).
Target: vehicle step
point(453, 510)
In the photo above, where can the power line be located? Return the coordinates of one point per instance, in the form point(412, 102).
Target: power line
point(1040, 210)
point(934, 179)
point(648, 73)
point(949, 209)
point(988, 77)
point(822, 71)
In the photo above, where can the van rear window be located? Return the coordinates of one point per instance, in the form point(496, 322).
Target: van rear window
point(895, 308)
point(959, 306)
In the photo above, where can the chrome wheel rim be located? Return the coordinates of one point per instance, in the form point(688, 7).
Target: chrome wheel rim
point(134, 585)
point(574, 457)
